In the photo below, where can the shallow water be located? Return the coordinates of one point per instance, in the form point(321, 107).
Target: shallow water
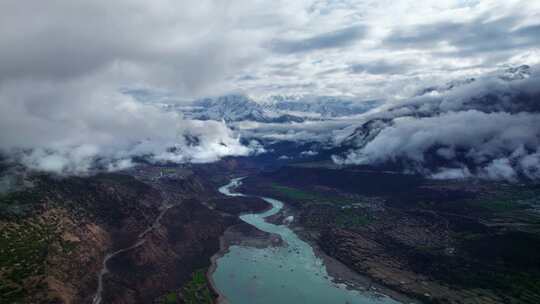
point(289, 274)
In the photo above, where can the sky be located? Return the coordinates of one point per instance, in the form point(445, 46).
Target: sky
point(338, 47)
point(64, 64)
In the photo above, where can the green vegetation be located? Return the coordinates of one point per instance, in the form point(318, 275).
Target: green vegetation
point(468, 236)
point(327, 208)
point(68, 247)
point(17, 204)
point(506, 199)
point(311, 197)
point(294, 193)
point(196, 291)
point(23, 251)
point(170, 298)
point(499, 205)
point(521, 286)
point(524, 286)
point(168, 170)
point(348, 219)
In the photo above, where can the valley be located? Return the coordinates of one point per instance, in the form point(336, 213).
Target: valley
point(401, 235)
point(270, 152)
point(439, 242)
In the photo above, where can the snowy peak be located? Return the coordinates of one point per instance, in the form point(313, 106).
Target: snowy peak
point(229, 108)
point(276, 109)
point(233, 108)
point(324, 106)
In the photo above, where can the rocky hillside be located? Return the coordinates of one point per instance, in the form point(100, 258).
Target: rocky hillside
point(54, 237)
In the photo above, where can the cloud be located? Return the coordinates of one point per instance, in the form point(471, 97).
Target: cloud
point(81, 125)
point(402, 45)
point(64, 66)
point(477, 139)
point(324, 131)
point(491, 134)
point(159, 43)
point(379, 67)
point(309, 153)
point(488, 127)
point(452, 173)
point(335, 39)
point(480, 36)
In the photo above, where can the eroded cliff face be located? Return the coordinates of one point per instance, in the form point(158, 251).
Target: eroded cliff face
point(55, 236)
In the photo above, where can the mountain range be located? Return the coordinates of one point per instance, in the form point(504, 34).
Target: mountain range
point(275, 109)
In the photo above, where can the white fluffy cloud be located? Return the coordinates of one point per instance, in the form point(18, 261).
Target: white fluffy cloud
point(490, 134)
point(76, 125)
point(63, 65)
point(489, 128)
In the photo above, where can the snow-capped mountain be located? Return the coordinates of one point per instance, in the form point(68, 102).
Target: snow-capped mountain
point(323, 106)
point(233, 108)
point(228, 108)
point(276, 109)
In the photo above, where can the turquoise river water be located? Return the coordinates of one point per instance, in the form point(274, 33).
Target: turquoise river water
point(280, 275)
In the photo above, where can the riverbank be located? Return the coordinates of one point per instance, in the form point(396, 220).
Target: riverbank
point(451, 242)
point(241, 234)
point(293, 273)
point(337, 271)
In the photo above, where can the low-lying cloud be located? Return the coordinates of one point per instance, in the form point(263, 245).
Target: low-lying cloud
point(63, 66)
point(489, 128)
point(80, 125)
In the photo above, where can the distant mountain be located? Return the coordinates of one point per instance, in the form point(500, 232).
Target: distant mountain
point(233, 108)
point(325, 106)
point(275, 109)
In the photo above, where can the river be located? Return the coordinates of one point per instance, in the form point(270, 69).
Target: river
point(285, 274)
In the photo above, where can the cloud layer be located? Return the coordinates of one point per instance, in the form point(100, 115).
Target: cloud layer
point(78, 125)
point(65, 64)
point(489, 127)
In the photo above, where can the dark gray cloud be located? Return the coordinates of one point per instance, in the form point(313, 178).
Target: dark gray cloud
point(480, 36)
point(187, 47)
point(335, 39)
